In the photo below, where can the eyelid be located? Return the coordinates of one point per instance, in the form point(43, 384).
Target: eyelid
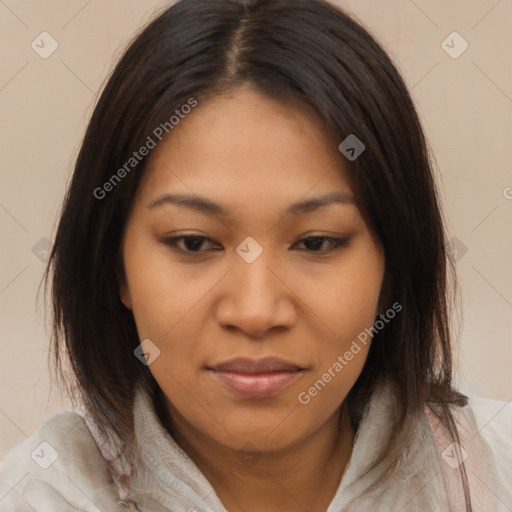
point(336, 243)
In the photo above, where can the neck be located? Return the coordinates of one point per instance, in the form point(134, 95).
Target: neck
point(304, 476)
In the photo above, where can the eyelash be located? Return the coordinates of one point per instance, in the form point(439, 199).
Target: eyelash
point(336, 243)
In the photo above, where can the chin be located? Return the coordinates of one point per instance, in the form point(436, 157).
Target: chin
point(264, 435)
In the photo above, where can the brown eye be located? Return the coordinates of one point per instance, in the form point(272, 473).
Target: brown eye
point(315, 243)
point(192, 244)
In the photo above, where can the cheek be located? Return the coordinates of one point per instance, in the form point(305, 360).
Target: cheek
point(348, 311)
point(168, 307)
point(161, 295)
point(342, 352)
point(351, 294)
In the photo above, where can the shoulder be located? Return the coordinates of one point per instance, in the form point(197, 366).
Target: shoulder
point(493, 419)
point(59, 465)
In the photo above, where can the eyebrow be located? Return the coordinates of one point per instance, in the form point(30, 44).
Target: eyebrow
point(205, 205)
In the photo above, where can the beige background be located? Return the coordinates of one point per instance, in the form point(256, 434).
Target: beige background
point(465, 104)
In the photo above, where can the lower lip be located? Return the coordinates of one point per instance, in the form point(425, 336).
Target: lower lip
point(256, 385)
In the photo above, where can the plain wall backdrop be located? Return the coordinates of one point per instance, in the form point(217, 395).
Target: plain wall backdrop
point(464, 98)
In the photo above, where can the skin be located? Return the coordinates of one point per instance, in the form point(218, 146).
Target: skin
point(256, 156)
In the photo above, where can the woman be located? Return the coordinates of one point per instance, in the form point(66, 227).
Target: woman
point(250, 282)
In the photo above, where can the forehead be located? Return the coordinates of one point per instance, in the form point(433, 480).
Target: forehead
point(243, 144)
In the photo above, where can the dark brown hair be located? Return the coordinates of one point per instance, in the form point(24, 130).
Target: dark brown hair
point(305, 49)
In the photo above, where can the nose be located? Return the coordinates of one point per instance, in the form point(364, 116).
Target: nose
point(256, 298)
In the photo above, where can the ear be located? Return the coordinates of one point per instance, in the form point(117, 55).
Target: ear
point(124, 294)
point(124, 291)
point(384, 295)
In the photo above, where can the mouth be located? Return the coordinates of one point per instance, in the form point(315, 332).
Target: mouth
point(256, 379)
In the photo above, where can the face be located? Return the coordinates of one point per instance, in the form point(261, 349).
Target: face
point(252, 292)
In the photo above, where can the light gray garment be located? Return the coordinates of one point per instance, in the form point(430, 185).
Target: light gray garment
point(78, 479)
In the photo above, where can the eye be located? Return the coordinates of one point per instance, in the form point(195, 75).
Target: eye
point(193, 243)
point(318, 241)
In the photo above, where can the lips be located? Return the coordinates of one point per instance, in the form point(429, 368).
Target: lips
point(267, 365)
point(256, 379)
